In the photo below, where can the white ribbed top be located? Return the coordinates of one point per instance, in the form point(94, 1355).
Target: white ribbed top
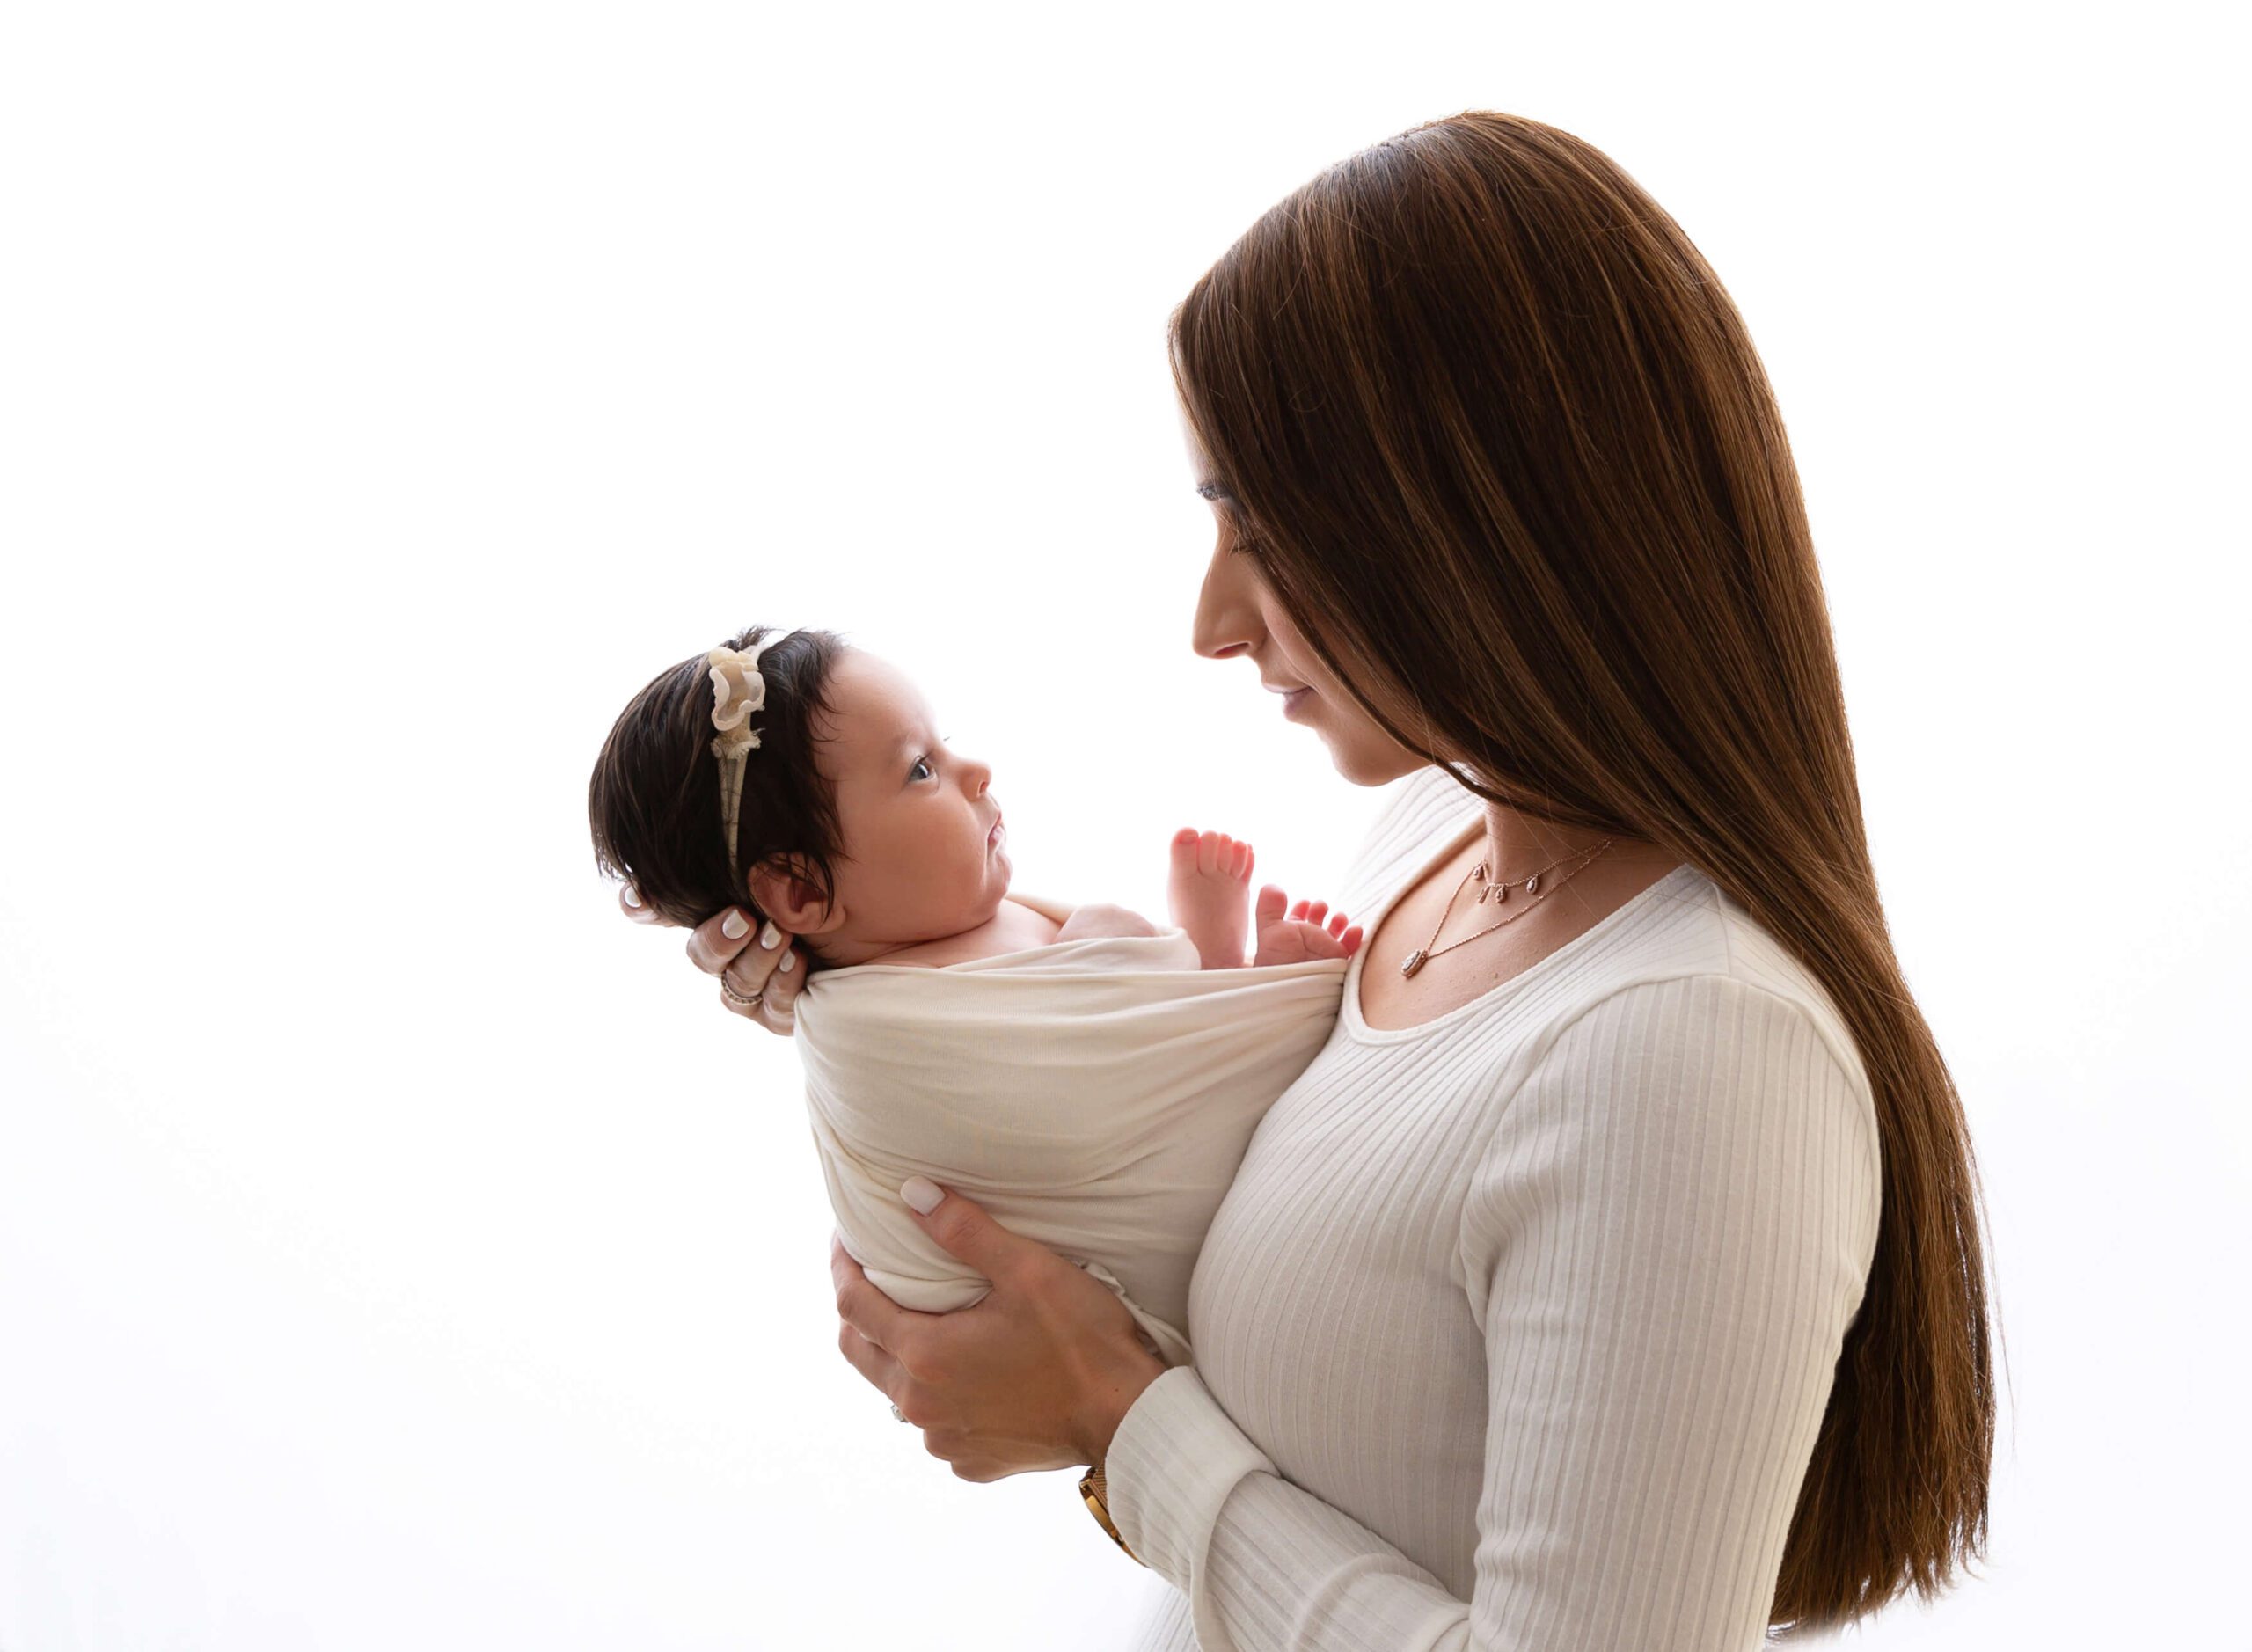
point(1515, 1328)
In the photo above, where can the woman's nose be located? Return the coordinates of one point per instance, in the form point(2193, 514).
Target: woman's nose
point(1227, 619)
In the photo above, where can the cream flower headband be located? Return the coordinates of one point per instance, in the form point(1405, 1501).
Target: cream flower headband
point(737, 690)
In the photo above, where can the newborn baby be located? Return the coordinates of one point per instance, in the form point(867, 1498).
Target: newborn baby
point(1090, 1078)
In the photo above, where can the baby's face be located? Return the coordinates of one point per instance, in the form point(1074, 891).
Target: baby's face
point(920, 858)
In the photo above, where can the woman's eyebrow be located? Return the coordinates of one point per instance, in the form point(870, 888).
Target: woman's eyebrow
point(1212, 490)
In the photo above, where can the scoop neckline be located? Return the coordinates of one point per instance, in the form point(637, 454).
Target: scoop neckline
point(1349, 1012)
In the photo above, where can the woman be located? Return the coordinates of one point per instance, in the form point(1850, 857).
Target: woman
point(1613, 1277)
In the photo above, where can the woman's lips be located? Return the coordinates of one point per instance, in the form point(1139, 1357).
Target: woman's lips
point(1295, 698)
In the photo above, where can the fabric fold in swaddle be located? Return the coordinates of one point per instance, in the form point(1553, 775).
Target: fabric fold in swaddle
point(1096, 1095)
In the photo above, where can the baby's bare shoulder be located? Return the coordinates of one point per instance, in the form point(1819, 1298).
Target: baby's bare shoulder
point(1100, 917)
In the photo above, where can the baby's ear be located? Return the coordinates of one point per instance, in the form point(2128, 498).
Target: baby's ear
point(781, 888)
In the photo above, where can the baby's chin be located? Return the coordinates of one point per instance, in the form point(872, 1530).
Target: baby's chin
point(984, 909)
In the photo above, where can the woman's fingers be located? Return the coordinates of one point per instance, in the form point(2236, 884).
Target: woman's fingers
point(874, 1317)
point(884, 1374)
point(629, 902)
point(764, 986)
point(760, 974)
point(713, 943)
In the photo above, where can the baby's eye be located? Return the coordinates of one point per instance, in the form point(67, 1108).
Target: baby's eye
point(921, 762)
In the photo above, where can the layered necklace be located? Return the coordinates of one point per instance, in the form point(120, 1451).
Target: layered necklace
point(1499, 892)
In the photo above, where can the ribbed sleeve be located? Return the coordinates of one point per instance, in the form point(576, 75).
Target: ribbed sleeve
point(1656, 1227)
point(1184, 1456)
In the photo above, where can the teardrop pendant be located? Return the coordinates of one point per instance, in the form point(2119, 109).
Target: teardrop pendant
point(1532, 883)
point(1415, 961)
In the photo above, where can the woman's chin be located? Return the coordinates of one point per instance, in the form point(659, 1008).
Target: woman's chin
point(1362, 767)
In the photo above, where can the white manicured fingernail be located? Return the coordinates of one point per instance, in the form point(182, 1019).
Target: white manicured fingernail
point(922, 1193)
point(769, 937)
point(633, 895)
point(789, 962)
point(734, 925)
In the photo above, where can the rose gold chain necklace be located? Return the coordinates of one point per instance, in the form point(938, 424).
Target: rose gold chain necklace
point(1500, 892)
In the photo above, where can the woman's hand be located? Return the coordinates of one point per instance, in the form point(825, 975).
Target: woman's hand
point(1036, 1375)
point(760, 983)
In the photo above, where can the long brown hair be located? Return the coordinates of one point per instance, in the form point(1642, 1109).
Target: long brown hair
point(1505, 452)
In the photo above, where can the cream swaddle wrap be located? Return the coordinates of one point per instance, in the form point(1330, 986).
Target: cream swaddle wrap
point(1095, 1095)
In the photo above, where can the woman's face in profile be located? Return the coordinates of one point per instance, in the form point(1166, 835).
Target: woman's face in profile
point(1238, 614)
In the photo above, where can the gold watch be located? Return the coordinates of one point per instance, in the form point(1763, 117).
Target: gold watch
point(1092, 1488)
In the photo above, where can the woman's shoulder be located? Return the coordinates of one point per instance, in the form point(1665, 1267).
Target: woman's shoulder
point(1694, 1038)
point(1685, 964)
point(1683, 929)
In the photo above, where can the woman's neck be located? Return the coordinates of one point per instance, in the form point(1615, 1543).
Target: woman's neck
point(1515, 845)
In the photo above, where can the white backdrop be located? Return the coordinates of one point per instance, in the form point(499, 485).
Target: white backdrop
point(397, 1248)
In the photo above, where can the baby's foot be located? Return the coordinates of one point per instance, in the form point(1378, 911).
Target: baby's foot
point(1301, 934)
point(1209, 891)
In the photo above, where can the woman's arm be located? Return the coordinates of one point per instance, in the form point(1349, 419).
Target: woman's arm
point(1663, 1243)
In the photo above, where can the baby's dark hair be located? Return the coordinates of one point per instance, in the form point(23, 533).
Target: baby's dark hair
point(653, 802)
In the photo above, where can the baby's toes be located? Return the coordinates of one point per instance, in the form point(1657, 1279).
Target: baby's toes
point(1271, 903)
point(1314, 917)
point(1240, 865)
point(1184, 850)
point(1212, 853)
